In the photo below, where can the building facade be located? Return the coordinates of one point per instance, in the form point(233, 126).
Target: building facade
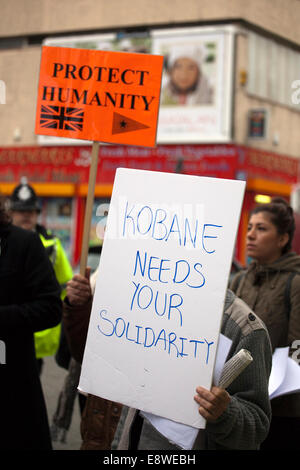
point(241, 122)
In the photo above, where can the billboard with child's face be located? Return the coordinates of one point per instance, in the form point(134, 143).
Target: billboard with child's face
point(197, 84)
point(196, 95)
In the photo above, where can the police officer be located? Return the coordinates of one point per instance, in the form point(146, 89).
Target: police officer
point(24, 208)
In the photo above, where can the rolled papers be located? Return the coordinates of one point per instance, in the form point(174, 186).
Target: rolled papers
point(234, 367)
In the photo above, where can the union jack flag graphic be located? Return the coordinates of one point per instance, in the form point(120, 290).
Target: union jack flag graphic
point(61, 117)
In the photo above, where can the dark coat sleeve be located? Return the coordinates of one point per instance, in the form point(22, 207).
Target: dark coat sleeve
point(31, 293)
point(245, 423)
point(76, 323)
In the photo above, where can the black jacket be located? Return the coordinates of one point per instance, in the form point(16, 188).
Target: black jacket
point(29, 302)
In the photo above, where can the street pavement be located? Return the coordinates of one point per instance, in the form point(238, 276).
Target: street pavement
point(52, 380)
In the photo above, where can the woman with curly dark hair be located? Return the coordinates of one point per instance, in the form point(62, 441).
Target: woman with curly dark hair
point(271, 287)
point(29, 302)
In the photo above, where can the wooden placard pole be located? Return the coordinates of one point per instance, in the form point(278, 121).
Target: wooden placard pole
point(89, 208)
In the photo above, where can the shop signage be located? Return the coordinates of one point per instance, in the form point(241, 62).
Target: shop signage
point(53, 164)
point(71, 163)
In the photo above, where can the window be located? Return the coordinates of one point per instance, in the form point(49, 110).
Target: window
point(272, 69)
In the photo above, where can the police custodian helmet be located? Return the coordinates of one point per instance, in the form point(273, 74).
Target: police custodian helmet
point(24, 198)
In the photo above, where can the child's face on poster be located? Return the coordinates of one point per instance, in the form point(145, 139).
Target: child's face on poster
point(184, 74)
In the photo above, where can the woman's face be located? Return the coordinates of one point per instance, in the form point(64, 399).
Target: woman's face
point(184, 74)
point(264, 243)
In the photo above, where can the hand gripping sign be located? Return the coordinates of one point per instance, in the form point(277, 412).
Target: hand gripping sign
point(100, 96)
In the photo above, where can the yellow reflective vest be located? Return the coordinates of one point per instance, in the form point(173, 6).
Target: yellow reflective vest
point(47, 341)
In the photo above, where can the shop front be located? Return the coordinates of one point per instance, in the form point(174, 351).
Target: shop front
point(268, 175)
point(60, 176)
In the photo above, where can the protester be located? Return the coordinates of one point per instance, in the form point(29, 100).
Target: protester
point(271, 287)
point(187, 84)
point(241, 417)
point(237, 418)
point(29, 302)
point(25, 210)
point(100, 417)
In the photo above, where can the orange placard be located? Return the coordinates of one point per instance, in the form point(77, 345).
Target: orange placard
point(103, 96)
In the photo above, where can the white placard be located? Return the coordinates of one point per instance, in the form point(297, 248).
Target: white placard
point(159, 297)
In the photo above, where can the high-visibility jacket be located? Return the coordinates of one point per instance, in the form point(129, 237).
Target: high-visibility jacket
point(47, 341)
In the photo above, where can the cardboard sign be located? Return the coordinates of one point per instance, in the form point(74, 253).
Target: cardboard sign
point(99, 96)
point(160, 291)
